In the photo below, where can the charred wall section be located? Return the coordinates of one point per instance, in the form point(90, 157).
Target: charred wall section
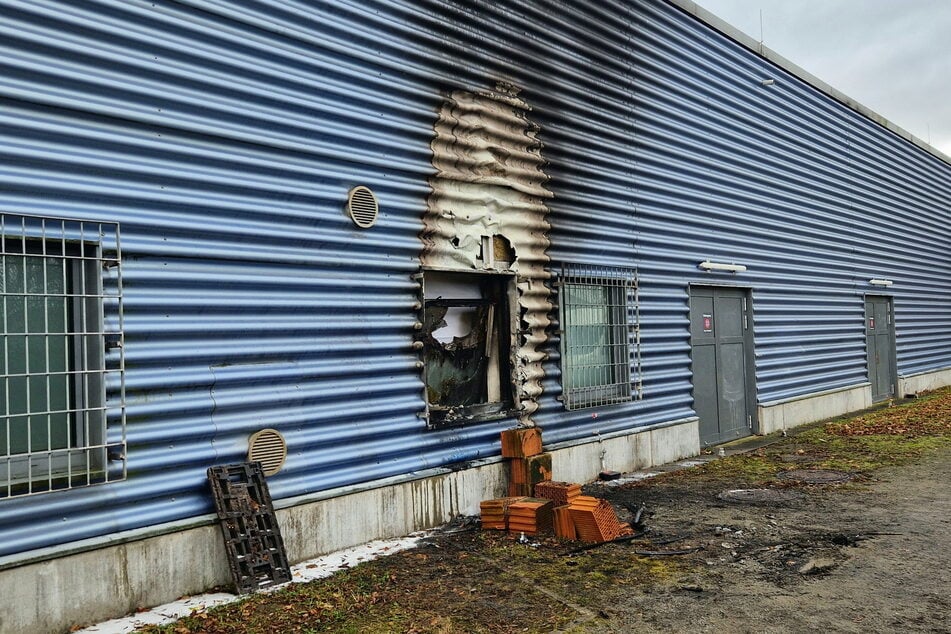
point(487, 213)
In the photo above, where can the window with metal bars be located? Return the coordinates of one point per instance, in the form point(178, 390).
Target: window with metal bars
point(599, 339)
point(60, 351)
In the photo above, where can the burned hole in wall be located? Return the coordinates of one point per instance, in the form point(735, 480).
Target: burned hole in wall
point(486, 216)
point(466, 339)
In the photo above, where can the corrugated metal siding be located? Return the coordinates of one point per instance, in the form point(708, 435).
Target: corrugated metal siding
point(814, 198)
point(907, 196)
point(752, 177)
point(224, 137)
point(573, 62)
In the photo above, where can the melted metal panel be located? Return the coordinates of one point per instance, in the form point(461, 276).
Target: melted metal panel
point(487, 212)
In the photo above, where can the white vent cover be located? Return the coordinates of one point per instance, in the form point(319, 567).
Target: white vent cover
point(362, 206)
point(267, 447)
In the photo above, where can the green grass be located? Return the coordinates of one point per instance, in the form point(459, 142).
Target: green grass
point(749, 468)
point(863, 443)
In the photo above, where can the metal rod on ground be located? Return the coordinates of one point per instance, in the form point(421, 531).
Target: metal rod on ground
point(637, 516)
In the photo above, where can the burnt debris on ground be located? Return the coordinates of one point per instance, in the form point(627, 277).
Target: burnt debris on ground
point(697, 559)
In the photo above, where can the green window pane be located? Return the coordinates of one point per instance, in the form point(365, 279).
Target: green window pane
point(34, 355)
point(587, 336)
point(595, 341)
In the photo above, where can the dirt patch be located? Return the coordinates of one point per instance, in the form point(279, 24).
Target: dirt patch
point(867, 555)
point(815, 476)
point(756, 496)
point(452, 583)
point(839, 559)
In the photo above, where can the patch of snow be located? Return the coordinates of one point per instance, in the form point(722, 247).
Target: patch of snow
point(300, 573)
point(161, 614)
point(634, 477)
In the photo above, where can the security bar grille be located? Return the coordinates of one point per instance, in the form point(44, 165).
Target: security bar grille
point(60, 352)
point(597, 305)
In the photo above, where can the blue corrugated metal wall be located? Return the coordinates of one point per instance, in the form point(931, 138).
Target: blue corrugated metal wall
point(814, 198)
point(225, 135)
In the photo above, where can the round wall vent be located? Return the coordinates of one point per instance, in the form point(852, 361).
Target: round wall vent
point(363, 206)
point(267, 447)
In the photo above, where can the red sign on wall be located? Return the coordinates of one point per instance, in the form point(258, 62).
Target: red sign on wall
point(871, 323)
point(707, 322)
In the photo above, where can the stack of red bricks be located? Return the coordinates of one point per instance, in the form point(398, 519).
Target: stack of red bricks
point(595, 520)
point(561, 493)
point(495, 513)
point(531, 516)
point(528, 465)
point(556, 506)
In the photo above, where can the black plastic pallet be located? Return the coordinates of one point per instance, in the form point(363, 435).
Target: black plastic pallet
point(253, 540)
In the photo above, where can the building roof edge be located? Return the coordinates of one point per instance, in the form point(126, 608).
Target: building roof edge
point(767, 53)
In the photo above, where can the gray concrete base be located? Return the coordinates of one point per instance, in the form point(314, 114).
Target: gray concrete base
point(87, 587)
point(574, 462)
point(924, 382)
point(789, 413)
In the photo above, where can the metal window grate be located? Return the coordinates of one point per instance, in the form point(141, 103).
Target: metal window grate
point(60, 354)
point(598, 313)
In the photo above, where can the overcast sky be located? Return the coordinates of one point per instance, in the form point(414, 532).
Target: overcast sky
point(893, 56)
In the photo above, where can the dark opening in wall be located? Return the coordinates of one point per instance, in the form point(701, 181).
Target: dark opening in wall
point(466, 339)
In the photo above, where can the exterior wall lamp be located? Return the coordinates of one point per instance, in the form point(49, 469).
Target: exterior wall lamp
point(707, 265)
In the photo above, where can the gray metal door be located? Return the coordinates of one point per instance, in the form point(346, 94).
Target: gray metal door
point(880, 343)
point(721, 348)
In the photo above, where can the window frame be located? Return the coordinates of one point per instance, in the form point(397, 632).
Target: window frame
point(496, 290)
point(619, 334)
point(88, 446)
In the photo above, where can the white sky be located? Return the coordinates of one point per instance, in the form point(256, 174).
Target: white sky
point(893, 56)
